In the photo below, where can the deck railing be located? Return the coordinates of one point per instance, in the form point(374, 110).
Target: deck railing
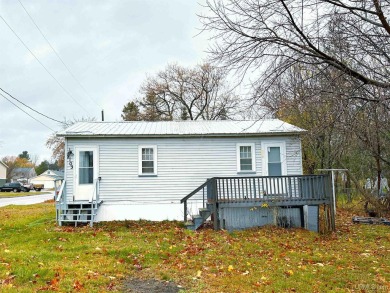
point(292, 188)
point(202, 191)
point(305, 189)
point(59, 196)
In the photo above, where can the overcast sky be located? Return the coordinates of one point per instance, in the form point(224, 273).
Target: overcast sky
point(109, 46)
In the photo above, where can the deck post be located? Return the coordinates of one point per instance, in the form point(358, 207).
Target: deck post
point(215, 205)
point(185, 211)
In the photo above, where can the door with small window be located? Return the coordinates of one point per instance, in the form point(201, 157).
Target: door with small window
point(274, 165)
point(86, 172)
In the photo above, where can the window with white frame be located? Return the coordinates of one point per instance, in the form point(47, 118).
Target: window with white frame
point(246, 157)
point(147, 160)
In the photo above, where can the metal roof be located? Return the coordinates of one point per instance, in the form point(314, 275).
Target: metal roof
point(181, 128)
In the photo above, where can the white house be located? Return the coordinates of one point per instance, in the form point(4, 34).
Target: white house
point(143, 169)
point(48, 178)
point(3, 173)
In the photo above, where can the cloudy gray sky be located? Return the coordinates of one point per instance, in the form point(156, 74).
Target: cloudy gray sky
point(109, 46)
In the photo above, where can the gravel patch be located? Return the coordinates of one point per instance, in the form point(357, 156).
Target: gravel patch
point(150, 286)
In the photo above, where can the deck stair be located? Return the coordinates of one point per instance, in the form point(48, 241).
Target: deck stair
point(77, 212)
point(200, 219)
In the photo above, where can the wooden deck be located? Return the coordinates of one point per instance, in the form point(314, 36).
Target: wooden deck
point(239, 195)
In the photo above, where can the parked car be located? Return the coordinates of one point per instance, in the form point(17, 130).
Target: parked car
point(28, 186)
point(13, 186)
point(38, 187)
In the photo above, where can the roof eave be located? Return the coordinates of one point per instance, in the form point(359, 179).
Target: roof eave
point(290, 133)
point(4, 164)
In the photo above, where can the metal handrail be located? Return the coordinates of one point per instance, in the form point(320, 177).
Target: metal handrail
point(61, 191)
point(95, 192)
point(58, 196)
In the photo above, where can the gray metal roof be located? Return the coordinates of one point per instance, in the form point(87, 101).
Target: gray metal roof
point(181, 128)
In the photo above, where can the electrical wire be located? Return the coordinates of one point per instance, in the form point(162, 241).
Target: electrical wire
point(31, 108)
point(26, 112)
point(24, 44)
point(58, 56)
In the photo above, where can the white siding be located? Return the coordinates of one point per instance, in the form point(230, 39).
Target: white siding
point(183, 165)
point(3, 171)
point(294, 156)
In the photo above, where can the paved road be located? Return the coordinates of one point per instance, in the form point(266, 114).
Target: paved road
point(25, 200)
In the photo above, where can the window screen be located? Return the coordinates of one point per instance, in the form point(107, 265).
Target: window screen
point(86, 167)
point(274, 162)
point(147, 160)
point(245, 158)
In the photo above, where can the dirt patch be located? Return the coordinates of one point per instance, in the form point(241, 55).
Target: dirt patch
point(150, 286)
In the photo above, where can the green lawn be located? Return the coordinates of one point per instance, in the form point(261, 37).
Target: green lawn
point(18, 194)
point(35, 254)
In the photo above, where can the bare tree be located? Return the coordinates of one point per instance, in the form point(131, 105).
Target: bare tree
point(272, 36)
point(187, 93)
point(10, 161)
point(57, 144)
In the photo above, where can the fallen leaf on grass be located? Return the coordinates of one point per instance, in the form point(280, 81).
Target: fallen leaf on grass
point(8, 280)
point(77, 285)
point(53, 282)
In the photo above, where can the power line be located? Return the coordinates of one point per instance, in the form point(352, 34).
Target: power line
point(31, 108)
point(26, 112)
point(58, 56)
point(24, 44)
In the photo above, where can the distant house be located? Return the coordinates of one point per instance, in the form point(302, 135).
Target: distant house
point(48, 178)
point(242, 173)
point(22, 174)
point(3, 173)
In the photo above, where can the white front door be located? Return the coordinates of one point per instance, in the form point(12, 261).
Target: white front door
point(274, 159)
point(86, 172)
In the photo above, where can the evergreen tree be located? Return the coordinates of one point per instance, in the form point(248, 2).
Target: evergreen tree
point(131, 112)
